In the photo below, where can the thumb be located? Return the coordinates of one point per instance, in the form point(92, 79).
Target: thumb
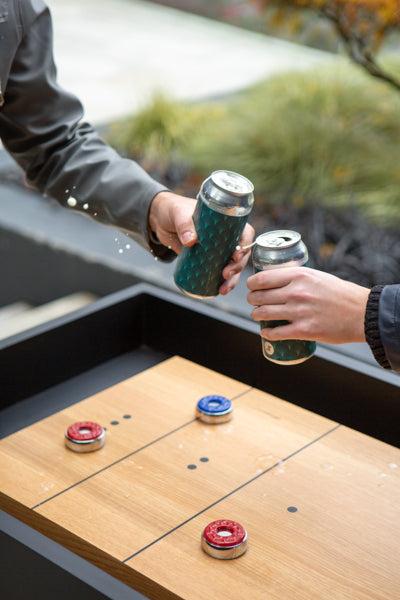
point(184, 226)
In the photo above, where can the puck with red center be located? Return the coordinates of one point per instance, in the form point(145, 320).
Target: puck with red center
point(85, 436)
point(224, 539)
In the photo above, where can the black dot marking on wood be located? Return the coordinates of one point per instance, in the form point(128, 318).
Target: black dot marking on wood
point(127, 417)
point(105, 428)
point(292, 509)
point(192, 467)
point(114, 422)
point(204, 459)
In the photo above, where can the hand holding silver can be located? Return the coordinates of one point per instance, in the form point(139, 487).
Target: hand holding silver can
point(276, 249)
point(223, 206)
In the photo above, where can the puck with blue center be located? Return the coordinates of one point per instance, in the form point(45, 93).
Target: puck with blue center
point(85, 436)
point(214, 409)
point(224, 539)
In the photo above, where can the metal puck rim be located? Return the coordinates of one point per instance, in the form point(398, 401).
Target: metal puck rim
point(215, 414)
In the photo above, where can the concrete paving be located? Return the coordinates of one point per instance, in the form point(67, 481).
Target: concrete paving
point(115, 53)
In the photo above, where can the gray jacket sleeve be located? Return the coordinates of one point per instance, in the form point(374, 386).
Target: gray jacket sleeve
point(40, 125)
point(389, 324)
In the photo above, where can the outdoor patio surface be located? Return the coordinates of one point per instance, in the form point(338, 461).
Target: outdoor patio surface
point(115, 53)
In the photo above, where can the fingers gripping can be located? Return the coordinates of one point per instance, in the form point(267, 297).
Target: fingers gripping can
point(223, 205)
point(272, 250)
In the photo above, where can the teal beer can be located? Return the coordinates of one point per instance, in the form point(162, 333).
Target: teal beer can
point(271, 250)
point(223, 206)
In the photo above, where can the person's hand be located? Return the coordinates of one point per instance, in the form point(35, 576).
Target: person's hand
point(171, 220)
point(318, 306)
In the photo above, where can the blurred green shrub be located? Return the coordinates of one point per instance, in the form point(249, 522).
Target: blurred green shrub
point(330, 135)
point(162, 131)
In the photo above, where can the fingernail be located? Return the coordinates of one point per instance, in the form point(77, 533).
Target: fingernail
point(187, 237)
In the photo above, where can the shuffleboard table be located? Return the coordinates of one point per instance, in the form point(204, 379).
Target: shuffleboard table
point(299, 465)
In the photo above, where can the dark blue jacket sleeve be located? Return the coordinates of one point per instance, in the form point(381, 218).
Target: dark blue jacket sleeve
point(389, 324)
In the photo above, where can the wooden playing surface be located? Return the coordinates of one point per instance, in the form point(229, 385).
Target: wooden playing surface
point(135, 509)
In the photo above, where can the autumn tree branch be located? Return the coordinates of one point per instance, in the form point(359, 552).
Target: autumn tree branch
point(357, 48)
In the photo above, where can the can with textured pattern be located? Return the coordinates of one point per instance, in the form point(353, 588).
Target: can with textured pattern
point(223, 205)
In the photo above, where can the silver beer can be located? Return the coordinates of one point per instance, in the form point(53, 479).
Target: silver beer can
point(276, 249)
point(223, 206)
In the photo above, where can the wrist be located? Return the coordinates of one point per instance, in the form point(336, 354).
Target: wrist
point(155, 208)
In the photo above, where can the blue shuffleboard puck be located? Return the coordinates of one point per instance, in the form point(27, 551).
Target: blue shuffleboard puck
point(214, 409)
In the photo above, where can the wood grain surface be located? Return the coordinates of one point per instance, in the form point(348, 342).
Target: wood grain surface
point(35, 464)
point(342, 543)
point(134, 502)
point(137, 510)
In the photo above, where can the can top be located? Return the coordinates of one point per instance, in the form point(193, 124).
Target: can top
point(229, 181)
point(281, 238)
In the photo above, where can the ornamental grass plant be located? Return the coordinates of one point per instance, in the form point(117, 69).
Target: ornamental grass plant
point(327, 136)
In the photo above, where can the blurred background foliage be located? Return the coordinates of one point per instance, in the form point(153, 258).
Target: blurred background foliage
point(326, 136)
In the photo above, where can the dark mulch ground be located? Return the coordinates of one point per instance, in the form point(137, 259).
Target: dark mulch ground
point(341, 242)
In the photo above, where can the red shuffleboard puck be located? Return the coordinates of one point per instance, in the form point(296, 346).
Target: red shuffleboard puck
point(85, 436)
point(224, 539)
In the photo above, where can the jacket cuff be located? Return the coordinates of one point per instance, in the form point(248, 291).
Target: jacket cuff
point(371, 326)
point(389, 324)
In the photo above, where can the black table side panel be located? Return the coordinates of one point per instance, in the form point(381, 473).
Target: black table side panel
point(76, 345)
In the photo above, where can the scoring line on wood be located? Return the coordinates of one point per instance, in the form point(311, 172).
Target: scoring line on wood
point(232, 492)
point(136, 451)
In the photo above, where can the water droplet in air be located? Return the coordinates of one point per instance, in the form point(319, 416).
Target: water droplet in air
point(382, 475)
point(120, 250)
point(156, 258)
point(71, 202)
point(128, 246)
point(169, 247)
point(85, 206)
point(392, 466)
point(67, 191)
